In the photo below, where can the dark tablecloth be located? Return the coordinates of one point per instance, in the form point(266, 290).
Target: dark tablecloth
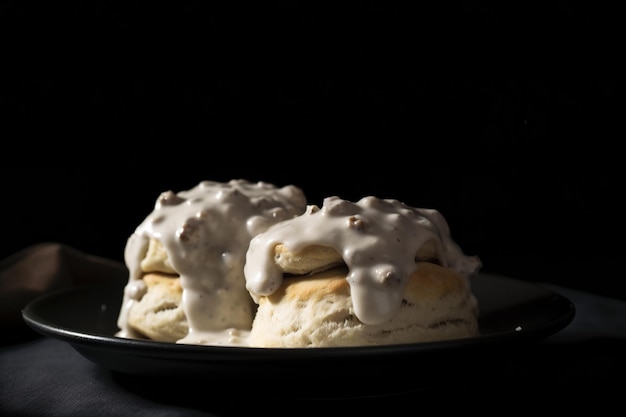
point(579, 366)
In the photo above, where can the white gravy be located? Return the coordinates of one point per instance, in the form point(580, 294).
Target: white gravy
point(205, 232)
point(378, 240)
point(220, 238)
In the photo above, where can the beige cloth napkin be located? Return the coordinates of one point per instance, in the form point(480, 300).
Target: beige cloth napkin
point(43, 268)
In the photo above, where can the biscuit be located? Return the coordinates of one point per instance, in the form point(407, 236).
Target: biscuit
point(158, 314)
point(317, 311)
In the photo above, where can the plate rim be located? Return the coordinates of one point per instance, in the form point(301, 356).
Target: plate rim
point(157, 348)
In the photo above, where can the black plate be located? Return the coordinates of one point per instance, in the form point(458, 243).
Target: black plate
point(513, 314)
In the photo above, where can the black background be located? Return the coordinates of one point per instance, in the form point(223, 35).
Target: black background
point(505, 119)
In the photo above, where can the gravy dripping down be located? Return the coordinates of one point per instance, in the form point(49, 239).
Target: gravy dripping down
point(378, 240)
point(205, 232)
